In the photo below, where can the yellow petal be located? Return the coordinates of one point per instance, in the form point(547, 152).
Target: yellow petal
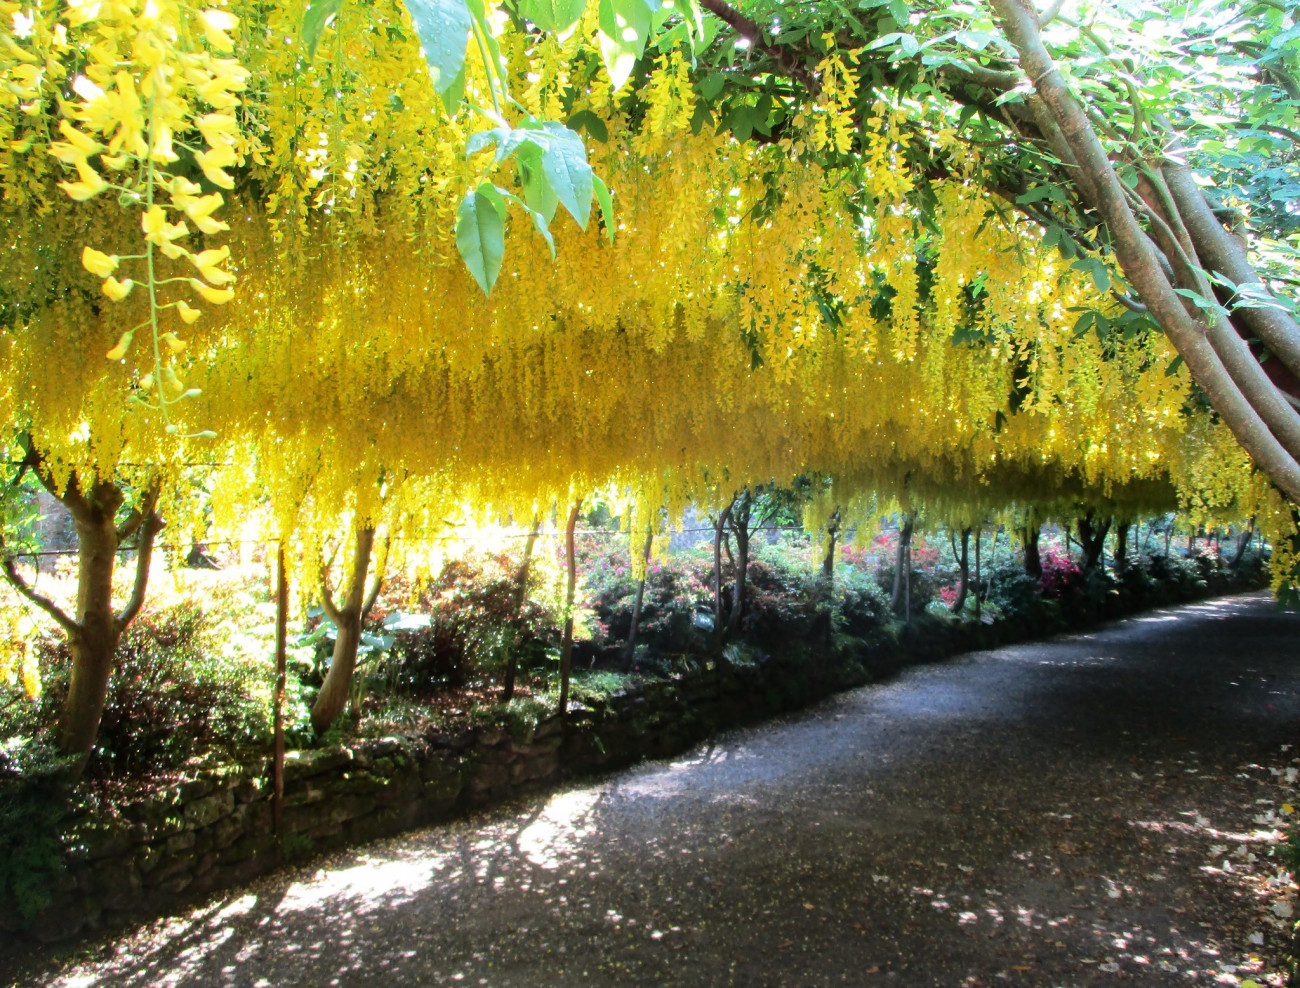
point(146, 382)
point(153, 221)
point(216, 276)
point(117, 290)
point(123, 345)
point(208, 258)
point(82, 142)
point(210, 226)
point(217, 296)
point(97, 262)
point(203, 205)
point(173, 344)
point(187, 312)
point(215, 25)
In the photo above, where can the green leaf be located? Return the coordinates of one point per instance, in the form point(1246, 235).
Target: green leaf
point(481, 237)
point(624, 29)
point(555, 16)
point(899, 11)
point(606, 205)
point(318, 14)
point(711, 85)
point(1100, 273)
point(538, 195)
point(443, 27)
point(1174, 364)
point(454, 93)
point(592, 124)
point(564, 163)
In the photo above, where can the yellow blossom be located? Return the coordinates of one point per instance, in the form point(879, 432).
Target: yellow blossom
point(97, 262)
point(117, 290)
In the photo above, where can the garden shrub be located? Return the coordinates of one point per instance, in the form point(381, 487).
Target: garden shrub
point(473, 629)
point(169, 700)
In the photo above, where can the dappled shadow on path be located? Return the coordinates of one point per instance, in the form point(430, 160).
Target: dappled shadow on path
point(1056, 813)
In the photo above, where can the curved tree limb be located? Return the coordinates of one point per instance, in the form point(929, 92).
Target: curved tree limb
point(150, 525)
point(40, 600)
point(1137, 257)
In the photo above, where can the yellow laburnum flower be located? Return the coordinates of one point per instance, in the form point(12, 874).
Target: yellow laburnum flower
point(97, 262)
point(182, 186)
point(217, 296)
point(210, 226)
point(152, 222)
point(173, 344)
point(146, 382)
point(202, 205)
point(187, 312)
point(82, 142)
point(117, 290)
point(209, 258)
point(123, 345)
point(216, 276)
point(91, 183)
point(215, 25)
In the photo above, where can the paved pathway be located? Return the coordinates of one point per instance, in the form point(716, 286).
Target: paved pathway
point(1050, 814)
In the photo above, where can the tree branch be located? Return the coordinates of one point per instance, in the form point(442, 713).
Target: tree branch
point(786, 57)
point(326, 598)
point(40, 600)
point(1137, 256)
point(381, 565)
point(150, 525)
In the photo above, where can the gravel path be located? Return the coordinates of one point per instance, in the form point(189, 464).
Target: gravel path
point(1077, 812)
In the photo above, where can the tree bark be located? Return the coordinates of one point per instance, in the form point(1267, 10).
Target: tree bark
point(902, 563)
point(963, 570)
point(521, 595)
point(1243, 540)
point(1092, 541)
point(348, 618)
point(1029, 537)
point(719, 530)
point(741, 514)
point(832, 534)
point(566, 648)
point(636, 604)
point(1121, 547)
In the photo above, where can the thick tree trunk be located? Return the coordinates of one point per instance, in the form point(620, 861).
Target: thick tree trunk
point(1121, 547)
point(1092, 541)
point(740, 518)
point(963, 571)
point(571, 567)
point(1243, 540)
point(1033, 560)
point(902, 564)
point(832, 534)
point(521, 595)
point(719, 532)
point(94, 644)
point(347, 618)
point(93, 634)
point(636, 604)
point(979, 537)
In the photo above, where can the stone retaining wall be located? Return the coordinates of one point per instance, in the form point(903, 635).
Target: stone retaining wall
point(215, 831)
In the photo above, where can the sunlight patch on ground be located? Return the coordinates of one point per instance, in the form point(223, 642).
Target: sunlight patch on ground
point(560, 828)
point(369, 884)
